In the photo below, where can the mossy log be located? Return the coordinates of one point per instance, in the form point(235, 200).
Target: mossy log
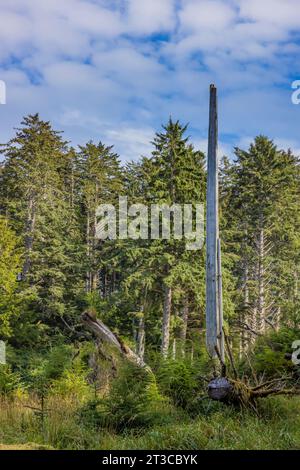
point(229, 391)
point(237, 392)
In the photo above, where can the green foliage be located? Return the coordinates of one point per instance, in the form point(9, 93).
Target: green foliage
point(73, 385)
point(133, 402)
point(9, 381)
point(34, 195)
point(272, 353)
point(225, 429)
point(10, 261)
point(178, 380)
point(260, 227)
point(277, 426)
point(49, 194)
point(58, 371)
point(57, 361)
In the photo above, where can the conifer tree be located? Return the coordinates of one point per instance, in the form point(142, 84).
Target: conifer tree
point(10, 262)
point(101, 183)
point(174, 174)
point(263, 213)
point(34, 198)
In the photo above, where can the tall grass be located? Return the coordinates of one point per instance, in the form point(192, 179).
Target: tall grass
point(216, 427)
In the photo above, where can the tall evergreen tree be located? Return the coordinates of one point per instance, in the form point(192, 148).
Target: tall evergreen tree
point(174, 174)
point(35, 200)
point(10, 262)
point(101, 183)
point(263, 216)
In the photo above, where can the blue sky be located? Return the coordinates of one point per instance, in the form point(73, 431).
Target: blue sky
point(114, 70)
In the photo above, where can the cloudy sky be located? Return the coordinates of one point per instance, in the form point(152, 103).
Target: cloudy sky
point(114, 70)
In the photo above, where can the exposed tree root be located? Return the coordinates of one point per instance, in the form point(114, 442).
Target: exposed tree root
point(239, 391)
point(229, 390)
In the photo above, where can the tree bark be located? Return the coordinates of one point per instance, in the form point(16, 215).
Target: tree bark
point(105, 334)
point(140, 349)
point(166, 322)
point(94, 272)
point(88, 273)
point(174, 350)
point(185, 317)
point(183, 331)
point(261, 283)
point(246, 336)
point(30, 226)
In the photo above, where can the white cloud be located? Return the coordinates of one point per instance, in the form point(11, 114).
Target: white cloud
point(94, 68)
point(286, 144)
point(147, 17)
point(199, 15)
point(284, 14)
point(131, 142)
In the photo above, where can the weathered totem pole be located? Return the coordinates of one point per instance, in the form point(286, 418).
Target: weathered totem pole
point(214, 307)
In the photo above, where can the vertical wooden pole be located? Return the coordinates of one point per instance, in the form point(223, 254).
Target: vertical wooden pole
point(220, 305)
point(212, 228)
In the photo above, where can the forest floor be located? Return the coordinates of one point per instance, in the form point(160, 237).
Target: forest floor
point(277, 426)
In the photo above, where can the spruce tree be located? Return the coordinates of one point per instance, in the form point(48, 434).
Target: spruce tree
point(262, 207)
point(34, 198)
point(10, 262)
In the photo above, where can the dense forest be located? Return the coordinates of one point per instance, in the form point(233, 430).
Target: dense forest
point(65, 388)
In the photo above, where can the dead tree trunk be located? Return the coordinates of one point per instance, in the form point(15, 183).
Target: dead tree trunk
point(105, 334)
point(214, 312)
point(184, 317)
point(94, 271)
point(212, 227)
point(140, 347)
point(261, 283)
point(183, 330)
point(166, 322)
point(237, 392)
point(220, 303)
point(174, 349)
point(192, 354)
point(30, 226)
point(88, 273)
point(246, 335)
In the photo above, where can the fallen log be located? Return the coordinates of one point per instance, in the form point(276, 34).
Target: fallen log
point(237, 392)
point(105, 334)
point(231, 391)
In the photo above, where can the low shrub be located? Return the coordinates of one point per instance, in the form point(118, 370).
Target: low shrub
point(178, 380)
point(134, 401)
point(272, 353)
point(10, 381)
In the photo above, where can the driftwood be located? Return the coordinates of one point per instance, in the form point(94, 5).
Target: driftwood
point(105, 334)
